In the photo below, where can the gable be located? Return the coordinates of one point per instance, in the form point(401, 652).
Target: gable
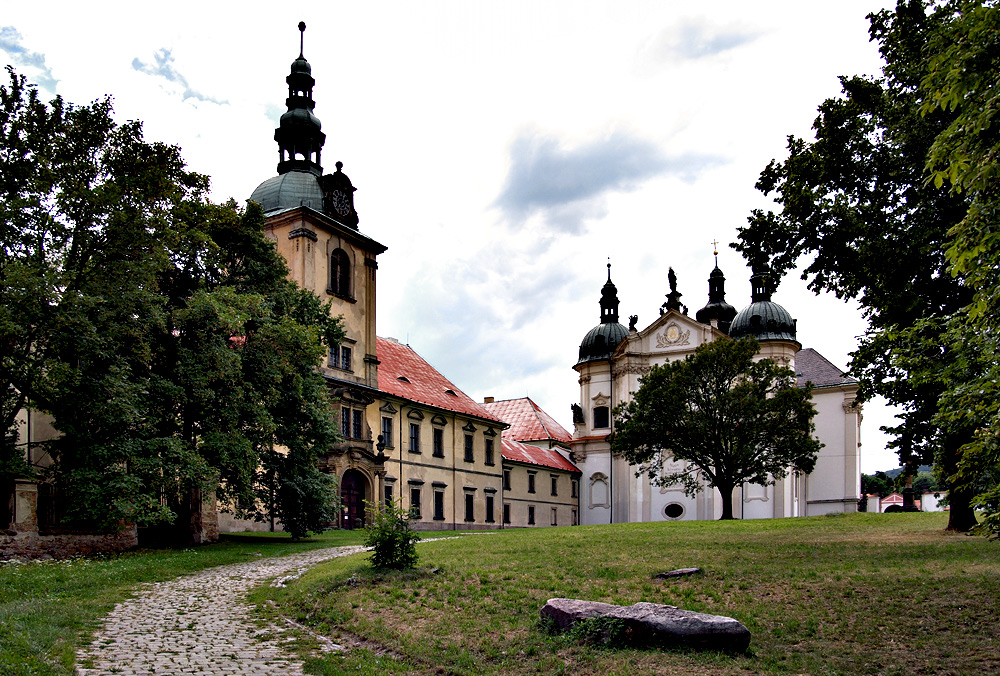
point(672, 335)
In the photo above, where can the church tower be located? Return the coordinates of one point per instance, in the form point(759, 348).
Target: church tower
point(312, 220)
point(717, 311)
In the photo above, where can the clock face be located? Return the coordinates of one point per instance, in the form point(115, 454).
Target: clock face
point(341, 203)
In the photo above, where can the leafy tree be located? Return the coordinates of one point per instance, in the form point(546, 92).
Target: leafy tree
point(158, 329)
point(857, 203)
point(877, 484)
point(962, 82)
point(731, 419)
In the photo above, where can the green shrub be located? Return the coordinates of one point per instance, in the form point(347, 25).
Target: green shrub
point(389, 535)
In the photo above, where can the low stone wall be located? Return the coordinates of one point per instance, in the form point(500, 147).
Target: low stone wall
point(61, 545)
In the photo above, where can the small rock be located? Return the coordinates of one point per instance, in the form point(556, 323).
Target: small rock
point(652, 624)
point(680, 572)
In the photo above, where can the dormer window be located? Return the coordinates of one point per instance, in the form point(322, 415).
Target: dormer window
point(403, 379)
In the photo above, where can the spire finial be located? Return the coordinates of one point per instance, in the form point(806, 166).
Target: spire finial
point(609, 268)
point(715, 251)
point(302, 38)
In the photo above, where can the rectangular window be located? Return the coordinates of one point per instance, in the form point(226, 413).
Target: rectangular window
point(387, 432)
point(554, 516)
point(358, 428)
point(601, 417)
point(574, 488)
point(414, 438)
point(468, 448)
point(439, 505)
point(531, 515)
point(555, 484)
point(345, 358)
point(345, 422)
point(388, 495)
point(489, 452)
point(489, 509)
point(470, 507)
point(414, 503)
point(574, 517)
point(506, 513)
point(333, 360)
point(506, 479)
point(438, 442)
point(531, 482)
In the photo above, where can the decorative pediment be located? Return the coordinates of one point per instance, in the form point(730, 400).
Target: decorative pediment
point(674, 331)
point(673, 335)
point(600, 400)
point(490, 432)
point(439, 420)
point(387, 408)
point(415, 414)
point(469, 427)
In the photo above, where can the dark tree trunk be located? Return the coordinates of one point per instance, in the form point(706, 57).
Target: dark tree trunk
point(961, 515)
point(727, 502)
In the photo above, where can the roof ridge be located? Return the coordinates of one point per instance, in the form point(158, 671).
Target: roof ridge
point(536, 409)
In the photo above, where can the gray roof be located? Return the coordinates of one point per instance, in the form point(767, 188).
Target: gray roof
point(291, 189)
point(811, 366)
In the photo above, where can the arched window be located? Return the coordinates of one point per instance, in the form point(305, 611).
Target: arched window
point(340, 274)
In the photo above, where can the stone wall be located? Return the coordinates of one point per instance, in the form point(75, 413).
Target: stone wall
point(61, 545)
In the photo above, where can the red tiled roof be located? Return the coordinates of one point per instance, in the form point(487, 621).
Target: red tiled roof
point(528, 422)
point(423, 383)
point(533, 455)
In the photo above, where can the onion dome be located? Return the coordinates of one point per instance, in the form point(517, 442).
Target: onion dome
point(300, 180)
point(763, 319)
point(300, 142)
point(717, 307)
point(600, 342)
point(299, 134)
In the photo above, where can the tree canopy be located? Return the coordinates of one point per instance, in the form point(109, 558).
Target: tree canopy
point(857, 204)
point(962, 80)
point(729, 419)
point(158, 329)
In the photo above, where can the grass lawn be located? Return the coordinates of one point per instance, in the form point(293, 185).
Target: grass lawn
point(48, 608)
point(858, 595)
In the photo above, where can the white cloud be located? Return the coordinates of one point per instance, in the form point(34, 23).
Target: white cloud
point(41, 74)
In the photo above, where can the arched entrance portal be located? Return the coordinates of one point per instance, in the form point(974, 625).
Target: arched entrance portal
point(353, 494)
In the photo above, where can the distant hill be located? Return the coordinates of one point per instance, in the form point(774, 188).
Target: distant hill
point(893, 473)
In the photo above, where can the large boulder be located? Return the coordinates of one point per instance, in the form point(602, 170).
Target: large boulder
point(653, 624)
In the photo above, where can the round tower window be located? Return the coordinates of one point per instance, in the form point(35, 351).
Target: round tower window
point(674, 510)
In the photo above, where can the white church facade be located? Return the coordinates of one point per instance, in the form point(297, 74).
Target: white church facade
point(612, 360)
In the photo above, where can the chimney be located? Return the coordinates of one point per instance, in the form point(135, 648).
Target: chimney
point(487, 400)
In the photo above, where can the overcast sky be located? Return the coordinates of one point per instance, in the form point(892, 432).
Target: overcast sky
point(503, 151)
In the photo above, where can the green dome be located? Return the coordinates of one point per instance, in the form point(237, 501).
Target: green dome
point(764, 320)
point(600, 342)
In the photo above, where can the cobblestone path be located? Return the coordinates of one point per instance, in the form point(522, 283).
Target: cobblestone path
point(197, 624)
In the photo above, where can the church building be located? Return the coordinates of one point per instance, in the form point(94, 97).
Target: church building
point(612, 359)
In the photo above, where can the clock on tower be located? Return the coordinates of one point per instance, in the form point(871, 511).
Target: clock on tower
point(338, 197)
